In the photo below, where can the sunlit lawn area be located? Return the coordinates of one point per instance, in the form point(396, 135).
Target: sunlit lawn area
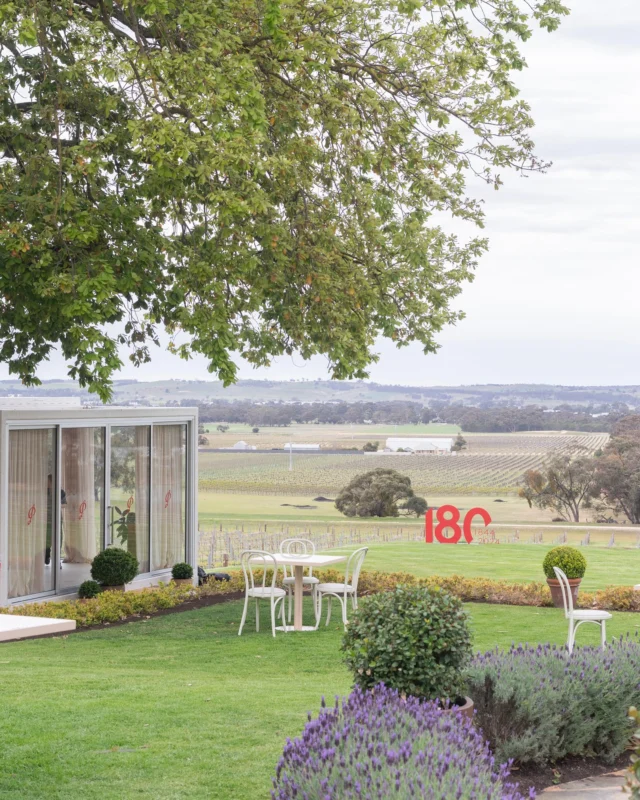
point(181, 707)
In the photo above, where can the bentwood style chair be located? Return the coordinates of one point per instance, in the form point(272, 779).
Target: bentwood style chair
point(259, 559)
point(303, 547)
point(576, 618)
point(342, 591)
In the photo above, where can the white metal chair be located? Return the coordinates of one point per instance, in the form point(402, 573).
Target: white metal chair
point(342, 591)
point(259, 559)
point(304, 547)
point(576, 618)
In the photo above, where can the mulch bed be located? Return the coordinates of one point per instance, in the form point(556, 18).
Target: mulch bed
point(574, 768)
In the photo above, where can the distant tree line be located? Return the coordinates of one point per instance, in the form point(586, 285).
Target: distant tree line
point(399, 412)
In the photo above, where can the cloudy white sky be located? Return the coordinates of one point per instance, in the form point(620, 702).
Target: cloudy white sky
point(557, 298)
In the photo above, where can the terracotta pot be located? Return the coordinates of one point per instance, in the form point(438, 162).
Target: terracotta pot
point(463, 704)
point(183, 581)
point(556, 590)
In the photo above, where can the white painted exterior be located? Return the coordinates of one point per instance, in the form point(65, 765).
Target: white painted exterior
point(34, 403)
point(104, 416)
point(419, 445)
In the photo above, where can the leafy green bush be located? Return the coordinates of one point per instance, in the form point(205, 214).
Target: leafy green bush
point(89, 589)
point(540, 704)
point(414, 639)
point(181, 571)
point(114, 567)
point(568, 559)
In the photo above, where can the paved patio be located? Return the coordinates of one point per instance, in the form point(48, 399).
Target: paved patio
point(605, 787)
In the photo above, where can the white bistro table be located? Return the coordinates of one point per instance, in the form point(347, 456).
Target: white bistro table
point(299, 561)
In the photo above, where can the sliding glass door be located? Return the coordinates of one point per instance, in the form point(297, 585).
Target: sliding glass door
point(168, 530)
point(31, 485)
point(128, 511)
point(82, 482)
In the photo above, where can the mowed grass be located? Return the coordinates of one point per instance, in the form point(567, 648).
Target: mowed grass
point(510, 562)
point(181, 707)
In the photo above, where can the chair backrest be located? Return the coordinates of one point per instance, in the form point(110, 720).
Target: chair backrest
point(298, 547)
point(354, 565)
point(567, 597)
point(258, 559)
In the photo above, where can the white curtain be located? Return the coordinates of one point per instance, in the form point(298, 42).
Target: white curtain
point(167, 497)
point(139, 533)
point(30, 511)
point(80, 536)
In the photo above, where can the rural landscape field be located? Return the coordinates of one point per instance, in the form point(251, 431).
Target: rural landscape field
point(266, 490)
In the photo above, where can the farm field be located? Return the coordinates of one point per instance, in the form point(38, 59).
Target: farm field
point(492, 464)
point(180, 706)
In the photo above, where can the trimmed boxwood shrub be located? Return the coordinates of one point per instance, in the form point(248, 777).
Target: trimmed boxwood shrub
point(414, 639)
point(114, 567)
point(89, 589)
point(181, 570)
point(568, 559)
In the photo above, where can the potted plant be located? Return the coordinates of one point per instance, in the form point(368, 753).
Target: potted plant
point(89, 589)
point(415, 640)
point(572, 563)
point(113, 568)
point(182, 573)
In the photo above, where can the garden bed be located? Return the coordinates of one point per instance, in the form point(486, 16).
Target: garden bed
point(573, 768)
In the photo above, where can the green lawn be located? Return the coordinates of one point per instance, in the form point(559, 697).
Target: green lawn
point(181, 707)
point(511, 562)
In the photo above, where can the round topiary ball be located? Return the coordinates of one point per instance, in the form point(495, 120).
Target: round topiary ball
point(414, 639)
point(568, 559)
point(89, 589)
point(181, 571)
point(114, 567)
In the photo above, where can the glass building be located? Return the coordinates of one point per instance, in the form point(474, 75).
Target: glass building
point(76, 480)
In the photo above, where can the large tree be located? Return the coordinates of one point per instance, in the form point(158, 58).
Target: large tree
point(618, 473)
point(376, 494)
point(256, 177)
point(564, 485)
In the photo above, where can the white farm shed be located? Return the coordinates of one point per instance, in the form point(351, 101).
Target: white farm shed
point(416, 445)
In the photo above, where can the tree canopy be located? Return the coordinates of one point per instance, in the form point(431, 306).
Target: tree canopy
point(255, 177)
point(376, 494)
point(564, 485)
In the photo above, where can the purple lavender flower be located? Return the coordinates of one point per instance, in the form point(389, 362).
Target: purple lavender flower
point(395, 747)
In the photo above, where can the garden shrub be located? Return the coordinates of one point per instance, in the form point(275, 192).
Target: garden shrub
point(89, 589)
point(633, 777)
point(379, 744)
point(114, 567)
point(414, 639)
point(182, 571)
point(540, 704)
point(568, 559)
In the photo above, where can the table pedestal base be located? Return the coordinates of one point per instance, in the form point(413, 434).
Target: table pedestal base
point(292, 629)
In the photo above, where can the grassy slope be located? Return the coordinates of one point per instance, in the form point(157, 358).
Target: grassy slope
point(180, 707)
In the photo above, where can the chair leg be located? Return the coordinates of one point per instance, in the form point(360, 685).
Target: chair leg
point(329, 599)
point(343, 603)
point(244, 614)
point(603, 633)
point(257, 617)
point(289, 601)
point(273, 617)
point(318, 610)
point(284, 621)
point(572, 634)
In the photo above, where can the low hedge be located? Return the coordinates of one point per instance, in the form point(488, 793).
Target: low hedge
point(114, 606)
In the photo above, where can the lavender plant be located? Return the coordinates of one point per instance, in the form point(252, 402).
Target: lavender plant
point(378, 744)
point(540, 704)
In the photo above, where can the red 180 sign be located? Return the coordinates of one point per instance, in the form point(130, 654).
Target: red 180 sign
point(448, 517)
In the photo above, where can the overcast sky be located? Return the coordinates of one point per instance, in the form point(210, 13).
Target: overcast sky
point(557, 298)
